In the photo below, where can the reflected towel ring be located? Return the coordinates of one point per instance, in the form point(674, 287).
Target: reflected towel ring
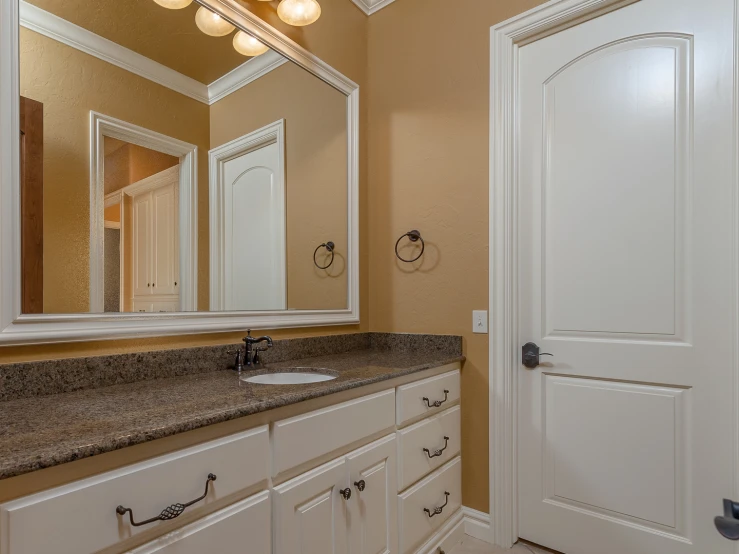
point(328, 246)
point(413, 236)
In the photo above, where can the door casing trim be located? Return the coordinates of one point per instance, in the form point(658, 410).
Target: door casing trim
point(505, 40)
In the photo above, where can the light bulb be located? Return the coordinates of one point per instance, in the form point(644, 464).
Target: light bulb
point(247, 45)
point(174, 4)
point(211, 23)
point(299, 12)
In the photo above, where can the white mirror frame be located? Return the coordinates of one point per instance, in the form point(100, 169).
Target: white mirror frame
point(16, 328)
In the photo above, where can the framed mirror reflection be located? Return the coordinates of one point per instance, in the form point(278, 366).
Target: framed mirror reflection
point(192, 162)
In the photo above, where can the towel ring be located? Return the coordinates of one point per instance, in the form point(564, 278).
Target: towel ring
point(328, 246)
point(413, 236)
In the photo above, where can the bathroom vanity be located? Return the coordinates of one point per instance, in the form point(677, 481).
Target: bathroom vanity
point(368, 461)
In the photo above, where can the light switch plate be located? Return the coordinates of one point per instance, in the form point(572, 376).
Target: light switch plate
point(480, 321)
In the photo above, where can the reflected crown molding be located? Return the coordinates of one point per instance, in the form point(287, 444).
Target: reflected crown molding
point(61, 30)
point(371, 6)
point(243, 75)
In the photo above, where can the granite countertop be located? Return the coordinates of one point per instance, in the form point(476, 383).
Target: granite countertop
point(45, 431)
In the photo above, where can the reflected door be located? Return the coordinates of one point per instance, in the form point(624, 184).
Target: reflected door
point(254, 231)
point(32, 205)
point(626, 214)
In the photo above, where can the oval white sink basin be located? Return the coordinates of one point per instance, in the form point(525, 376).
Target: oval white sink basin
point(288, 378)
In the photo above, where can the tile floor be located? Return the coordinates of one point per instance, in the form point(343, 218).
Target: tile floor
point(474, 546)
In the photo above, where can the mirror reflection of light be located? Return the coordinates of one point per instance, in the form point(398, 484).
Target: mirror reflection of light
point(211, 23)
point(247, 45)
point(174, 4)
point(299, 12)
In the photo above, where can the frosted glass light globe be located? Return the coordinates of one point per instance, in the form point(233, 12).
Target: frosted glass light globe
point(174, 4)
point(247, 45)
point(299, 12)
point(211, 23)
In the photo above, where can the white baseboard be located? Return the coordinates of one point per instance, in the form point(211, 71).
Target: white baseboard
point(465, 521)
point(447, 537)
point(476, 524)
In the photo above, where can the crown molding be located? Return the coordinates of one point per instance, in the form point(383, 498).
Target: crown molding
point(52, 26)
point(371, 6)
point(61, 30)
point(244, 74)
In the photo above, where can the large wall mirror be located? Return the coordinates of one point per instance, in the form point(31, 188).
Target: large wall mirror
point(174, 169)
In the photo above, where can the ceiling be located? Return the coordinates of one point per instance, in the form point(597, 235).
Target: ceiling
point(169, 37)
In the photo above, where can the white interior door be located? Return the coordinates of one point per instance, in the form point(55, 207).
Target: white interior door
point(626, 252)
point(254, 231)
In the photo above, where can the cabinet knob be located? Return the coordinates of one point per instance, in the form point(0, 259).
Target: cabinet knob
point(346, 493)
point(148, 284)
point(153, 284)
point(361, 485)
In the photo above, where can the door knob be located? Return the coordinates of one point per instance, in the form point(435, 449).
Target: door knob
point(530, 355)
point(728, 524)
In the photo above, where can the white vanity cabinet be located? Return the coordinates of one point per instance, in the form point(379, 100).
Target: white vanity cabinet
point(356, 477)
point(311, 515)
point(242, 527)
point(346, 505)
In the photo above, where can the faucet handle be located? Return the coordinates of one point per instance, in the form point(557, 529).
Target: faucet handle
point(239, 360)
point(256, 358)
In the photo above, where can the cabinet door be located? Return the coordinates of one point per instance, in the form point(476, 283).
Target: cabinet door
point(164, 273)
point(311, 513)
point(142, 247)
point(165, 306)
point(374, 519)
point(243, 527)
point(143, 306)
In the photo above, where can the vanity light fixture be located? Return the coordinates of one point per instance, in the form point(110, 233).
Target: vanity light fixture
point(174, 4)
point(211, 23)
point(299, 12)
point(247, 45)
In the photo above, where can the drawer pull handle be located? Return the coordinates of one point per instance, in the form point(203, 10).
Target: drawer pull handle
point(361, 485)
point(437, 452)
point(346, 493)
point(436, 511)
point(436, 403)
point(170, 512)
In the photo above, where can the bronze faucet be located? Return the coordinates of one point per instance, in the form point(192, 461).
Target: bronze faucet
point(249, 356)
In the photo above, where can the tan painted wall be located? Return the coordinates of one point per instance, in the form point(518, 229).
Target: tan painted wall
point(428, 142)
point(315, 176)
point(340, 39)
point(82, 83)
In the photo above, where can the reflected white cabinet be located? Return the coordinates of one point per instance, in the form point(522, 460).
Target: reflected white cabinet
point(155, 250)
point(348, 505)
point(142, 244)
point(164, 239)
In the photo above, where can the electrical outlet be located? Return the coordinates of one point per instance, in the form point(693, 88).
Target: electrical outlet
point(480, 321)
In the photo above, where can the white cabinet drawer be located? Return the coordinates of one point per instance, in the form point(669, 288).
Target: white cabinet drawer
point(416, 525)
point(242, 527)
point(305, 437)
point(427, 397)
point(81, 517)
point(430, 434)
